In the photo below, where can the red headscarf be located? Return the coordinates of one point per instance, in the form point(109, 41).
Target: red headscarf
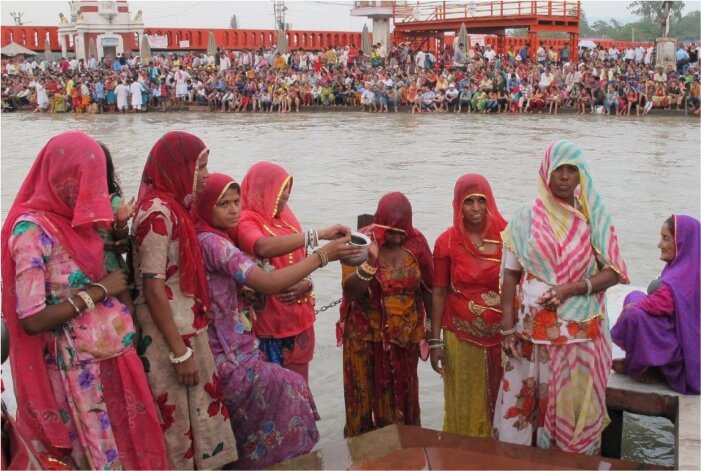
point(214, 189)
point(170, 175)
point(66, 191)
point(261, 189)
point(394, 212)
point(466, 186)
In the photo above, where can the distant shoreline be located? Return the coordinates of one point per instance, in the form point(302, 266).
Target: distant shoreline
point(356, 109)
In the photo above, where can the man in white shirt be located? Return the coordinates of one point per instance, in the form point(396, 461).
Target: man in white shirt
point(639, 54)
point(629, 54)
point(421, 59)
point(489, 53)
point(613, 53)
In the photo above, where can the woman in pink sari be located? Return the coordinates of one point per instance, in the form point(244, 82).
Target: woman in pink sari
point(80, 387)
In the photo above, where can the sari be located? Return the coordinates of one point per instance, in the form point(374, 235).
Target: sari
point(286, 331)
point(664, 333)
point(194, 419)
point(381, 331)
point(272, 411)
point(80, 389)
point(472, 315)
point(557, 391)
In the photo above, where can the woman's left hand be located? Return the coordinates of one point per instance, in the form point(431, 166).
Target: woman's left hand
point(124, 211)
point(553, 297)
point(295, 293)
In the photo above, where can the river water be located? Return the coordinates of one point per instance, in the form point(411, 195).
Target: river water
point(645, 169)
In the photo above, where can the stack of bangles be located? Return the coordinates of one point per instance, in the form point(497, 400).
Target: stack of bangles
point(365, 271)
point(506, 333)
point(435, 343)
point(322, 256)
point(311, 239)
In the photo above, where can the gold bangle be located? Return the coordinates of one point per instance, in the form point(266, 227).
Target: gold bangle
point(89, 303)
point(364, 277)
point(367, 268)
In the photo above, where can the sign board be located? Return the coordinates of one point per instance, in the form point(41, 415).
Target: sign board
point(477, 39)
point(109, 41)
point(185, 43)
point(158, 42)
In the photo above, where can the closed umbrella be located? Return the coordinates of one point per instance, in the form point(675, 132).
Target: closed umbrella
point(48, 55)
point(211, 44)
point(92, 49)
point(463, 37)
point(281, 41)
point(365, 40)
point(145, 50)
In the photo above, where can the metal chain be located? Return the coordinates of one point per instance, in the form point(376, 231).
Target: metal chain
point(328, 306)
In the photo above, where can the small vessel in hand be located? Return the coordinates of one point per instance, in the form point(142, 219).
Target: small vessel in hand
point(361, 240)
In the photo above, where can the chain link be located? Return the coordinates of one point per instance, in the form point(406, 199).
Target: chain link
point(328, 306)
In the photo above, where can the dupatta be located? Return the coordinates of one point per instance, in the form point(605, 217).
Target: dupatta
point(170, 175)
point(682, 277)
point(558, 243)
point(217, 184)
point(66, 191)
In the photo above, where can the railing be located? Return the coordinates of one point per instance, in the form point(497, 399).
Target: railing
point(442, 10)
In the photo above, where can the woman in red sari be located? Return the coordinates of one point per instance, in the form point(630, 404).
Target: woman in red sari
point(269, 231)
point(81, 391)
point(466, 308)
point(383, 313)
point(172, 306)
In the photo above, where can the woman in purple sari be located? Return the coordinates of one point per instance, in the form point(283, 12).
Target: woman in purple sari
point(272, 410)
point(661, 330)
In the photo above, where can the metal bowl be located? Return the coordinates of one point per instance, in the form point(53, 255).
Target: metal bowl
point(361, 240)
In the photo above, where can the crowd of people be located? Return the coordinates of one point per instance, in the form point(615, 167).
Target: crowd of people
point(535, 79)
point(196, 353)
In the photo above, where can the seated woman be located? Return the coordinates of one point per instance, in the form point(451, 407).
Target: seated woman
point(661, 330)
point(271, 409)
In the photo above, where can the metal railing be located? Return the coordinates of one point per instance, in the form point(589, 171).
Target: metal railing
point(406, 12)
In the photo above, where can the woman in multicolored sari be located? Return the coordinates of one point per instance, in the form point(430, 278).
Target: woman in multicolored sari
point(383, 312)
point(81, 391)
point(466, 308)
point(172, 307)
point(561, 255)
point(273, 414)
point(269, 231)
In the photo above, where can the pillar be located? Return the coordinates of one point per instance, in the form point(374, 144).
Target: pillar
point(533, 40)
point(64, 45)
point(574, 47)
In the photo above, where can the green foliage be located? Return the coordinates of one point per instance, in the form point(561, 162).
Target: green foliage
point(655, 10)
point(648, 28)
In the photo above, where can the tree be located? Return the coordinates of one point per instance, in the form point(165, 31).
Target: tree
point(655, 10)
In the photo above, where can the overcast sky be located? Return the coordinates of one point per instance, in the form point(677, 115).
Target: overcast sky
point(310, 15)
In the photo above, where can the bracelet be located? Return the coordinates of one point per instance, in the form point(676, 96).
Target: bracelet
point(181, 359)
point(508, 331)
point(434, 341)
point(435, 345)
point(102, 287)
point(117, 228)
point(89, 303)
point(75, 306)
point(589, 287)
point(322, 255)
point(368, 269)
point(364, 277)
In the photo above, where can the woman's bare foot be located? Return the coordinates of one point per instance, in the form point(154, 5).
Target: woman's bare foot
point(618, 366)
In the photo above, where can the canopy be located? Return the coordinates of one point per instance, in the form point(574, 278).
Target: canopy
point(365, 40)
point(145, 50)
point(211, 44)
point(588, 43)
point(14, 49)
point(463, 37)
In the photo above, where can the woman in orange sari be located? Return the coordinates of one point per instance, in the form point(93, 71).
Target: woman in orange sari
point(383, 313)
point(466, 258)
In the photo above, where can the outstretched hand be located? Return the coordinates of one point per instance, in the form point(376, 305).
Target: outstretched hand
point(339, 249)
point(334, 232)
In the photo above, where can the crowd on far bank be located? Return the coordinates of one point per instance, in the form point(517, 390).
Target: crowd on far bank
point(458, 79)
